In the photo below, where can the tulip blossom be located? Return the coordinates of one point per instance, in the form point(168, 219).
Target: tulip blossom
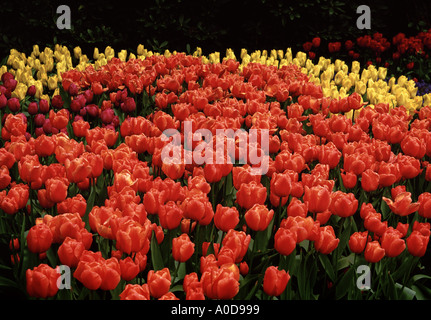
point(275, 281)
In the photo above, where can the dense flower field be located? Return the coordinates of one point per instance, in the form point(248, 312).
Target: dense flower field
point(83, 183)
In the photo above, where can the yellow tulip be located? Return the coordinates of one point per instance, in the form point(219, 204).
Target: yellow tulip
point(99, 63)
point(339, 77)
point(21, 76)
point(309, 65)
point(402, 97)
point(96, 53)
point(20, 91)
point(198, 52)
point(36, 51)
point(52, 82)
point(426, 99)
point(288, 56)
point(345, 68)
point(402, 80)
point(334, 93)
point(417, 101)
point(412, 91)
point(280, 54)
point(296, 62)
point(356, 66)
point(328, 74)
point(61, 66)
point(373, 73)
point(77, 52)
point(382, 72)
point(109, 53)
point(382, 85)
point(39, 88)
point(37, 65)
point(327, 64)
point(302, 57)
point(58, 56)
point(64, 50)
point(122, 55)
point(42, 75)
point(140, 49)
point(243, 53)
point(337, 65)
point(365, 75)
point(68, 62)
point(371, 95)
point(316, 70)
point(132, 56)
point(49, 65)
point(3, 70)
point(346, 83)
point(342, 92)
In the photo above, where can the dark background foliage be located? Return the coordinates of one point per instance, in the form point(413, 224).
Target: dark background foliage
point(213, 25)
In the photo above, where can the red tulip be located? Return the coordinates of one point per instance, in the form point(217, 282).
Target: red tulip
point(275, 281)
point(42, 281)
point(357, 241)
point(39, 238)
point(318, 198)
point(170, 215)
point(369, 180)
point(326, 241)
point(135, 292)
point(374, 252)
point(159, 282)
point(76, 204)
point(392, 242)
point(417, 243)
point(182, 248)
point(250, 194)
point(221, 283)
point(226, 218)
point(281, 184)
point(130, 234)
point(238, 242)
point(402, 205)
point(70, 251)
point(129, 269)
point(94, 272)
point(349, 180)
point(343, 204)
point(56, 189)
point(285, 241)
point(258, 217)
point(425, 205)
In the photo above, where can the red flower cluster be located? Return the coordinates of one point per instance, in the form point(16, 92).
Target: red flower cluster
point(103, 201)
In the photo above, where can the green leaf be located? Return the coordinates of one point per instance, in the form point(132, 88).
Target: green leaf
point(422, 292)
point(177, 288)
point(327, 265)
point(52, 257)
point(90, 204)
point(156, 255)
point(344, 262)
point(345, 284)
point(407, 293)
point(418, 277)
point(6, 282)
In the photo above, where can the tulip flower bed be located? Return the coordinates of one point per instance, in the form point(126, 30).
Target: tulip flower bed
point(83, 183)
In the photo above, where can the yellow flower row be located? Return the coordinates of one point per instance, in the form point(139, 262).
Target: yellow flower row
point(44, 68)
